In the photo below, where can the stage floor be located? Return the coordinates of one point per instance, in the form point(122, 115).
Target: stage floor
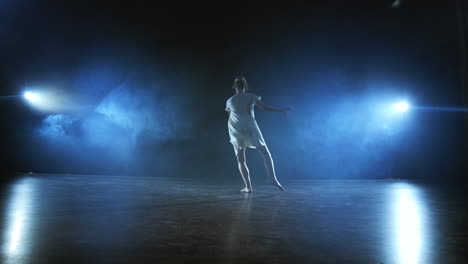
point(118, 219)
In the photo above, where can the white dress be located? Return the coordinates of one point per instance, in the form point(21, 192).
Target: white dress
point(243, 129)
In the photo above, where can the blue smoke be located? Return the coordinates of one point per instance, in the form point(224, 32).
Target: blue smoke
point(119, 119)
point(335, 131)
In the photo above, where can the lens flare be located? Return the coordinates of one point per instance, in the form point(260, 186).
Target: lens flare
point(401, 106)
point(31, 97)
point(47, 99)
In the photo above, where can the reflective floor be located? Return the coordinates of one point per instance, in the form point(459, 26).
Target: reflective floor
point(104, 219)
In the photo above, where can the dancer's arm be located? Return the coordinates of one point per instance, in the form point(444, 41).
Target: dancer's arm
point(265, 107)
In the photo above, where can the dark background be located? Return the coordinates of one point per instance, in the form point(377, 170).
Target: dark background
point(147, 87)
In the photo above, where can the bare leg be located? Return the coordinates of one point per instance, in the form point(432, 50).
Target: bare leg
point(244, 171)
point(269, 166)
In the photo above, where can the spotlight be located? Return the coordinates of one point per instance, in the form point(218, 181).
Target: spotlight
point(47, 100)
point(31, 97)
point(401, 106)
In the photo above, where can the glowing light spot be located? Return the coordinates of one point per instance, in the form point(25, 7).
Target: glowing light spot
point(401, 107)
point(31, 97)
point(46, 99)
point(396, 3)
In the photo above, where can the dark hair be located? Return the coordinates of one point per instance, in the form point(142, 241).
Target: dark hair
point(245, 86)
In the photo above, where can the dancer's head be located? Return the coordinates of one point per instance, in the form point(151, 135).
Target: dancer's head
point(240, 84)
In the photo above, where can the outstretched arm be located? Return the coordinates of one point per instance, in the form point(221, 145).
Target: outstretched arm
point(265, 107)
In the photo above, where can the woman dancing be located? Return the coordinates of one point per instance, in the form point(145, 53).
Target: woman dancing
point(245, 133)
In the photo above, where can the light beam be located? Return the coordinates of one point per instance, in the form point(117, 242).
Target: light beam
point(31, 97)
point(401, 106)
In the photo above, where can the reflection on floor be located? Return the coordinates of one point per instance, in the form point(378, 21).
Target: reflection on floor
point(105, 219)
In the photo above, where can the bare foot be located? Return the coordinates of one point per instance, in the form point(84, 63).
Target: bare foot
point(246, 190)
point(278, 185)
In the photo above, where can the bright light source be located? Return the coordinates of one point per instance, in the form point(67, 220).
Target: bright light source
point(45, 99)
point(31, 97)
point(401, 106)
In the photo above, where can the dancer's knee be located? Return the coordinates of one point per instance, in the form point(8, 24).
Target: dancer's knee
point(265, 152)
point(240, 158)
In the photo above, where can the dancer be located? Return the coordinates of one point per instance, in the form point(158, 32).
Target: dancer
point(245, 133)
